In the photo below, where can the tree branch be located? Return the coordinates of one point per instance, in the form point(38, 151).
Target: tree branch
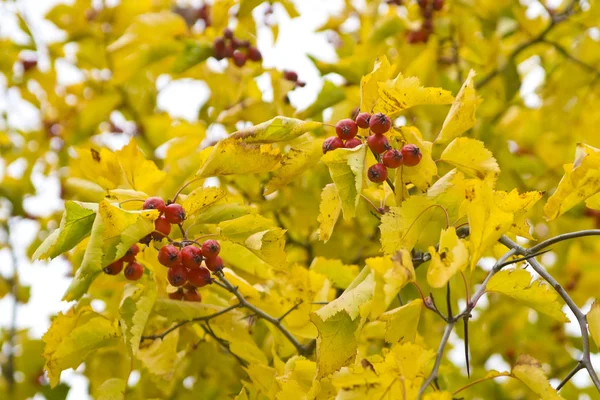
point(438, 360)
point(560, 238)
point(571, 374)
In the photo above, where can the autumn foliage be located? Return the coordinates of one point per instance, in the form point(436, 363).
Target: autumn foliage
point(422, 230)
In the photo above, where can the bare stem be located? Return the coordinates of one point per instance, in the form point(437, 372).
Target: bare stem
point(570, 375)
point(438, 360)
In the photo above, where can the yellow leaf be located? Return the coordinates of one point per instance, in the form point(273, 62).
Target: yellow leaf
point(101, 167)
point(134, 311)
point(295, 162)
point(278, 129)
point(236, 256)
point(140, 174)
point(517, 284)
point(519, 205)
point(401, 93)
point(461, 116)
point(111, 389)
point(593, 320)
point(401, 323)
point(529, 371)
point(201, 199)
point(346, 167)
point(471, 157)
point(329, 211)
point(452, 256)
point(369, 84)
point(72, 337)
point(580, 181)
point(160, 358)
point(340, 274)
point(438, 396)
point(114, 231)
point(487, 222)
point(233, 156)
point(422, 174)
point(391, 274)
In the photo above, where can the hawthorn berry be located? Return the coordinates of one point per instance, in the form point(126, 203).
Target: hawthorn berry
point(176, 295)
point(199, 277)
point(420, 36)
point(177, 275)
point(229, 51)
point(154, 203)
point(423, 3)
point(362, 120)
point(131, 253)
point(239, 58)
point(192, 295)
point(114, 268)
point(332, 143)
point(352, 143)
point(254, 54)
point(134, 271)
point(236, 43)
point(411, 155)
point(427, 25)
point(214, 264)
point(174, 213)
point(219, 47)
point(438, 5)
point(169, 256)
point(291, 76)
point(162, 228)
point(392, 158)
point(377, 173)
point(228, 33)
point(211, 248)
point(346, 129)
point(191, 257)
point(28, 64)
point(378, 143)
point(380, 123)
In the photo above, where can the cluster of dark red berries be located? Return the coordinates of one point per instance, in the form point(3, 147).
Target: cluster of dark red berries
point(227, 46)
point(186, 271)
point(133, 270)
point(427, 8)
point(292, 76)
point(171, 213)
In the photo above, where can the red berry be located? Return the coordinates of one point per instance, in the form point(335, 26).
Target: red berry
point(362, 120)
point(229, 51)
point(134, 271)
point(420, 36)
point(378, 143)
point(300, 84)
point(214, 264)
point(380, 123)
point(254, 54)
point(377, 173)
point(28, 64)
point(169, 256)
point(392, 158)
point(177, 275)
point(191, 257)
point(174, 213)
point(162, 228)
point(154, 203)
point(192, 295)
point(411, 155)
point(211, 248)
point(176, 295)
point(332, 143)
point(346, 129)
point(236, 43)
point(239, 58)
point(131, 253)
point(219, 47)
point(291, 76)
point(228, 33)
point(438, 5)
point(427, 25)
point(423, 3)
point(199, 277)
point(114, 268)
point(352, 143)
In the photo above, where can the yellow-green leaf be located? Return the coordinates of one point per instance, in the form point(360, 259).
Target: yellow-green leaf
point(537, 295)
point(391, 274)
point(529, 371)
point(111, 389)
point(75, 226)
point(471, 157)
point(593, 320)
point(140, 174)
point(519, 205)
point(461, 116)
point(346, 167)
point(369, 84)
point(134, 311)
point(278, 129)
point(340, 274)
point(201, 199)
point(329, 211)
point(401, 323)
point(452, 256)
point(234, 156)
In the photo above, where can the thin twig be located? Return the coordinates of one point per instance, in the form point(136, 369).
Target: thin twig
point(571, 374)
point(438, 360)
point(560, 238)
point(208, 330)
point(285, 314)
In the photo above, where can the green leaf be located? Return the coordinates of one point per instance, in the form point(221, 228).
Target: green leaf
point(193, 54)
point(346, 167)
point(175, 310)
point(75, 226)
point(512, 80)
point(72, 337)
point(114, 231)
point(278, 129)
point(134, 311)
point(517, 284)
point(112, 389)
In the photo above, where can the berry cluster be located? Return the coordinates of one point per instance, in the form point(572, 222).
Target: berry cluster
point(186, 271)
point(240, 51)
point(171, 213)
point(133, 270)
point(427, 8)
point(292, 76)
